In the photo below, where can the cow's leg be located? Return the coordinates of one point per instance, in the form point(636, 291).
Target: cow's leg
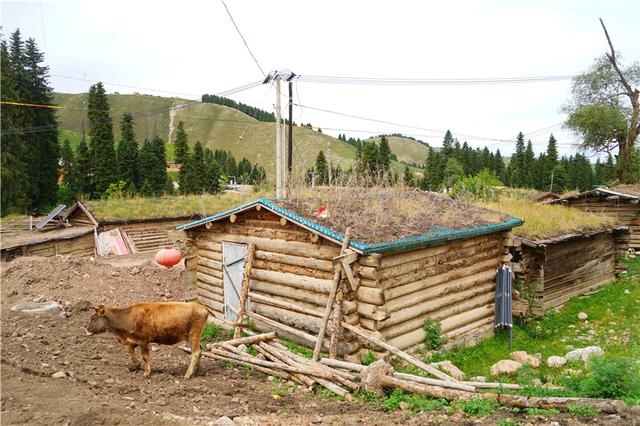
point(135, 363)
point(144, 348)
point(194, 343)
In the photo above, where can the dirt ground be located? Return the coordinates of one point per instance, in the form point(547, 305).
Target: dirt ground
point(98, 389)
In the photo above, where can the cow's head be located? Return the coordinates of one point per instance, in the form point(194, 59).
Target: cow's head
point(98, 322)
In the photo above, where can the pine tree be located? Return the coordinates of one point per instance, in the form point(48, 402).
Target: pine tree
point(181, 144)
point(67, 172)
point(528, 166)
point(321, 169)
point(153, 167)
point(43, 145)
point(447, 144)
point(82, 177)
point(127, 155)
point(13, 167)
point(101, 133)
point(385, 154)
point(499, 166)
point(517, 177)
point(453, 172)
point(551, 162)
point(407, 177)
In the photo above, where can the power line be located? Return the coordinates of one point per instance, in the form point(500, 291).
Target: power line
point(243, 39)
point(437, 131)
point(381, 81)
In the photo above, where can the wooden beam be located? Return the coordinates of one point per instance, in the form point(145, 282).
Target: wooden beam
point(332, 296)
point(246, 278)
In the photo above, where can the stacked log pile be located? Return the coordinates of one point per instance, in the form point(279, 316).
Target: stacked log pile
point(342, 378)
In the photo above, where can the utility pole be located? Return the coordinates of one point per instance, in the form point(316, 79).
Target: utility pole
point(280, 190)
point(290, 145)
point(281, 149)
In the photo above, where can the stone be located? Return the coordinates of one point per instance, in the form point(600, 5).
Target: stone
point(536, 382)
point(404, 406)
point(38, 308)
point(225, 421)
point(168, 295)
point(85, 276)
point(316, 419)
point(584, 353)
point(242, 347)
point(59, 374)
point(582, 316)
point(115, 274)
point(505, 366)
point(556, 361)
point(524, 358)
point(480, 379)
point(450, 369)
point(626, 290)
point(135, 270)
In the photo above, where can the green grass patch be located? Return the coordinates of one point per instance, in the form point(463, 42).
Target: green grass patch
point(126, 208)
point(476, 407)
point(215, 333)
point(582, 411)
point(613, 314)
point(298, 349)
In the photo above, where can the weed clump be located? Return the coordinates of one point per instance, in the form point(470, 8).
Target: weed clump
point(433, 338)
point(611, 378)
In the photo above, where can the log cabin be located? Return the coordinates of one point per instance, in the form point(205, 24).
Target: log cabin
point(77, 234)
point(410, 256)
point(620, 203)
point(553, 270)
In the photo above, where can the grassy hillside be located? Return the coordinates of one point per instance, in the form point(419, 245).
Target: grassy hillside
point(216, 126)
point(407, 150)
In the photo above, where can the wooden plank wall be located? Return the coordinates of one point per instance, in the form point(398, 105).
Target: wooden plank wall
point(289, 266)
point(452, 282)
point(624, 212)
point(147, 236)
point(577, 266)
point(80, 246)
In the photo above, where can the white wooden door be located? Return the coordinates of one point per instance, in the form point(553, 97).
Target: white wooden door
point(233, 259)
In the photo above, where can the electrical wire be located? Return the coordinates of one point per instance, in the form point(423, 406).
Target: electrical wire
point(381, 81)
point(243, 39)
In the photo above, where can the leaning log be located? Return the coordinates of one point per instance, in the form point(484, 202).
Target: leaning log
point(247, 340)
point(403, 355)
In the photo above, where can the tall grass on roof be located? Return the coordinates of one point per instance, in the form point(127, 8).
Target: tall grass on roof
point(385, 213)
point(544, 220)
point(179, 206)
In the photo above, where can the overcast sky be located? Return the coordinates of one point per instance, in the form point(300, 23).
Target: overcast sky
point(187, 48)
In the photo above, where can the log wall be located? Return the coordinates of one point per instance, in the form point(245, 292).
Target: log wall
point(453, 282)
point(624, 212)
point(572, 267)
point(291, 265)
point(79, 246)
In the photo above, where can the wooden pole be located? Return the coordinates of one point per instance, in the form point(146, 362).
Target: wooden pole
point(246, 278)
point(332, 295)
point(248, 340)
point(403, 355)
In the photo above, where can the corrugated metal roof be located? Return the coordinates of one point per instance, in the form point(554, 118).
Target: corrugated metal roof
point(440, 235)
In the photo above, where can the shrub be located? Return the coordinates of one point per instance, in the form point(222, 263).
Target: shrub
point(507, 422)
point(612, 378)
point(477, 406)
point(433, 338)
point(583, 411)
point(369, 358)
point(480, 187)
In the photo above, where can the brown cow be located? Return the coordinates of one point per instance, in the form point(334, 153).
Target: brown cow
point(164, 323)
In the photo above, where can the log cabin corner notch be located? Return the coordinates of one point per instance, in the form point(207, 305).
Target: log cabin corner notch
point(441, 271)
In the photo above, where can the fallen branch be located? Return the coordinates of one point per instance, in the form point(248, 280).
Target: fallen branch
point(246, 278)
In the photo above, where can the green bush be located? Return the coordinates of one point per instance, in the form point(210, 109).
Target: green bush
point(433, 338)
point(612, 378)
point(507, 422)
point(369, 358)
point(583, 411)
point(476, 406)
point(480, 187)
